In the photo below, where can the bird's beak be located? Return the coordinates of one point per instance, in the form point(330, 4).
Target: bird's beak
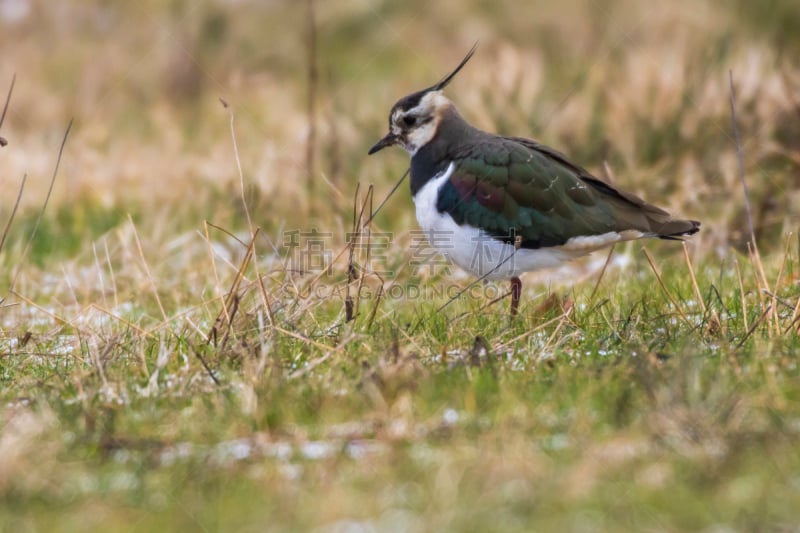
point(388, 140)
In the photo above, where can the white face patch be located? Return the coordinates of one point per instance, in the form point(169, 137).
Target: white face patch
point(413, 135)
point(419, 137)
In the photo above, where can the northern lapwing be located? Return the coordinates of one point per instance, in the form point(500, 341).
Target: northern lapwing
point(499, 206)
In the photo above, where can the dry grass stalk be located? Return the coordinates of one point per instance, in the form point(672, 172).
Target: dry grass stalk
point(359, 230)
point(29, 243)
point(147, 271)
point(386, 198)
point(750, 331)
point(311, 101)
point(762, 287)
point(664, 287)
point(351, 271)
point(8, 100)
point(742, 294)
point(111, 273)
point(714, 324)
point(264, 297)
point(544, 325)
point(13, 213)
point(695, 286)
point(602, 273)
point(3, 141)
point(366, 207)
point(778, 279)
point(238, 166)
point(223, 324)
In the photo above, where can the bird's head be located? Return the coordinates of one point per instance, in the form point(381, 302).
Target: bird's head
point(414, 119)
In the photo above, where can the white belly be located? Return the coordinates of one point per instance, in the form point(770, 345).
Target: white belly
point(478, 253)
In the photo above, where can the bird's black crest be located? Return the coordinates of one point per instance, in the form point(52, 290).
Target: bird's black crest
point(412, 100)
point(447, 79)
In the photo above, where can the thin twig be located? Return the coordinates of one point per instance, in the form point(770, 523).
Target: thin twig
point(564, 317)
point(478, 280)
point(394, 189)
point(238, 165)
point(742, 295)
point(351, 246)
point(13, 211)
point(753, 327)
point(760, 279)
point(367, 202)
point(205, 365)
point(778, 299)
point(664, 287)
point(533, 330)
point(44, 207)
point(311, 101)
point(795, 314)
point(265, 297)
point(602, 272)
point(147, 272)
point(48, 312)
point(230, 303)
point(352, 306)
point(781, 270)
point(377, 304)
point(331, 350)
point(212, 257)
point(121, 320)
point(8, 99)
point(305, 339)
point(111, 272)
point(695, 286)
point(100, 276)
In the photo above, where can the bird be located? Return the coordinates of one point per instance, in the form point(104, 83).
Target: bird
point(499, 206)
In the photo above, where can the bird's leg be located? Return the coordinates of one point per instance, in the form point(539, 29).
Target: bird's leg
point(516, 284)
point(516, 292)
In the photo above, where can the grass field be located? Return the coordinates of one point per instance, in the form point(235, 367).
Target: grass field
point(198, 334)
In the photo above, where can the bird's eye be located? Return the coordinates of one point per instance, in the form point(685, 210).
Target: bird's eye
point(409, 120)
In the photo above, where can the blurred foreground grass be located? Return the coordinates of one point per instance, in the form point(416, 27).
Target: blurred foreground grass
point(632, 404)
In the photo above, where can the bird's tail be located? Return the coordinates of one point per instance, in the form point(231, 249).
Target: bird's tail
point(673, 229)
point(633, 213)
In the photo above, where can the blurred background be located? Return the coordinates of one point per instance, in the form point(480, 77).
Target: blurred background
point(635, 92)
